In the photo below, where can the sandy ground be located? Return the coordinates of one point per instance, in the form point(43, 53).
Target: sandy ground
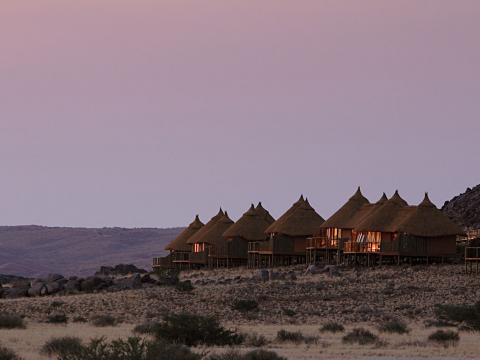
point(414, 345)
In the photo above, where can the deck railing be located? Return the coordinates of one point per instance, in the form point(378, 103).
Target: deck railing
point(198, 257)
point(472, 253)
point(322, 243)
point(180, 256)
point(163, 262)
point(361, 247)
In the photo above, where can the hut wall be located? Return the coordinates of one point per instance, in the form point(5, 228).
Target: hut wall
point(389, 244)
point(441, 246)
point(409, 245)
point(237, 248)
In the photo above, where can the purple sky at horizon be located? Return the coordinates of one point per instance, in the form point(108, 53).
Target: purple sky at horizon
point(146, 112)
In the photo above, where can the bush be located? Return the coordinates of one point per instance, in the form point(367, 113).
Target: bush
point(252, 355)
point(130, 349)
point(7, 354)
point(62, 346)
point(103, 321)
point(57, 319)
point(394, 327)
point(245, 305)
point(79, 319)
point(289, 312)
point(146, 328)
point(295, 337)
point(11, 321)
point(445, 337)
point(468, 314)
point(56, 304)
point(360, 336)
point(193, 330)
point(255, 340)
point(184, 286)
point(332, 327)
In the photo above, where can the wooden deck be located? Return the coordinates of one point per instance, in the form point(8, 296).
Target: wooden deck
point(472, 260)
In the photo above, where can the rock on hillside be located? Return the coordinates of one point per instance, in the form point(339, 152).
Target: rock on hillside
point(35, 251)
point(465, 208)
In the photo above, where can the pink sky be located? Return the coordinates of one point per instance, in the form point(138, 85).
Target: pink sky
point(145, 112)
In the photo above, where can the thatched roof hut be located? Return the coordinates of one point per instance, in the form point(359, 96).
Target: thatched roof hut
point(180, 242)
point(195, 237)
point(252, 225)
point(425, 220)
point(345, 216)
point(382, 217)
point(264, 212)
point(214, 235)
point(300, 220)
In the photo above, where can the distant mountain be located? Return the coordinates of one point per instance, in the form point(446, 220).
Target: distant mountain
point(36, 250)
point(465, 208)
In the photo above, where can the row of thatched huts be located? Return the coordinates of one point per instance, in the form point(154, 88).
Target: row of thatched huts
point(388, 230)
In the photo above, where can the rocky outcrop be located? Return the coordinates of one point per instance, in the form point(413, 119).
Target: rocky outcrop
point(464, 209)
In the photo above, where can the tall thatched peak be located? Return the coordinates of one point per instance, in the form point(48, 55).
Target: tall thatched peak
point(396, 198)
point(264, 212)
point(383, 199)
point(214, 235)
point(251, 226)
point(194, 239)
point(426, 202)
point(345, 217)
point(180, 242)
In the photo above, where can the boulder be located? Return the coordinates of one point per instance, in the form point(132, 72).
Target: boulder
point(264, 275)
point(15, 292)
point(53, 278)
point(132, 282)
point(73, 286)
point(93, 283)
point(54, 287)
point(312, 269)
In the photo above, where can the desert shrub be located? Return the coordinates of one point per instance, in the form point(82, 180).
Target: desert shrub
point(445, 337)
point(184, 286)
point(439, 323)
point(360, 336)
point(148, 328)
point(8, 354)
point(332, 327)
point(79, 319)
point(193, 330)
point(104, 320)
point(56, 304)
point(394, 327)
point(255, 340)
point(168, 277)
point(62, 346)
point(468, 314)
point(57, 319)
point(130, 349)
point(252, 355)
point(295, 337)
point(289, 312)
point(11, 321)
point(245, 305)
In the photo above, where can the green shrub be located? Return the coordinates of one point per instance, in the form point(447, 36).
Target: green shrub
point(332, 327)
point(468, 314)
point(184, 286)
point(245, 305)
point(295, 337)
point(445, 337)
point(11, 321)
point(130, 349)
point(103, 321)
point(360, 336)
point(252, 355)
point(57, 319)
point(7, 354)
point(394, 327)
point(193, 330)
point(62, 346)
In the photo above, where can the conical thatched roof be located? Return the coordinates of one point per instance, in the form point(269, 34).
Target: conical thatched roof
point(251, 226)
point(180, 242)
point(214, 235)
point(300, 220)
point(195, 237)
point(342, 219)
point(382, 217)
point(262, 211)
point(427, 221)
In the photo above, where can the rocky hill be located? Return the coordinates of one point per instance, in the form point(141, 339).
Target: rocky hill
point(465, 208)
point(35, 251)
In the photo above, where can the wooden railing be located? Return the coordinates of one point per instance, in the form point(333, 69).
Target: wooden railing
point(322, 243)
point(361, 247)
point(198, 257)
point(253, 246)
point(164, 262)
point(180, 256)
point(472, 253)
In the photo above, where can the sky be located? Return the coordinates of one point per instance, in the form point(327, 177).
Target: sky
point(146, 112)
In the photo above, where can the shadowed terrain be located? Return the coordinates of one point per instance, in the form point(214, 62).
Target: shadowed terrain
point(35, 250)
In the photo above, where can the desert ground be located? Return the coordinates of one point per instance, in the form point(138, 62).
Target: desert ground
point(292, 300)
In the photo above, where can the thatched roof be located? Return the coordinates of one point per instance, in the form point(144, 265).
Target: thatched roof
point(427, 221)
point(300, 220)
point(262, 211)
point(251, 226)
point(342, 219)
point(214, 235)
point(180, 242)
point(195, 237)
point(383, 216)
